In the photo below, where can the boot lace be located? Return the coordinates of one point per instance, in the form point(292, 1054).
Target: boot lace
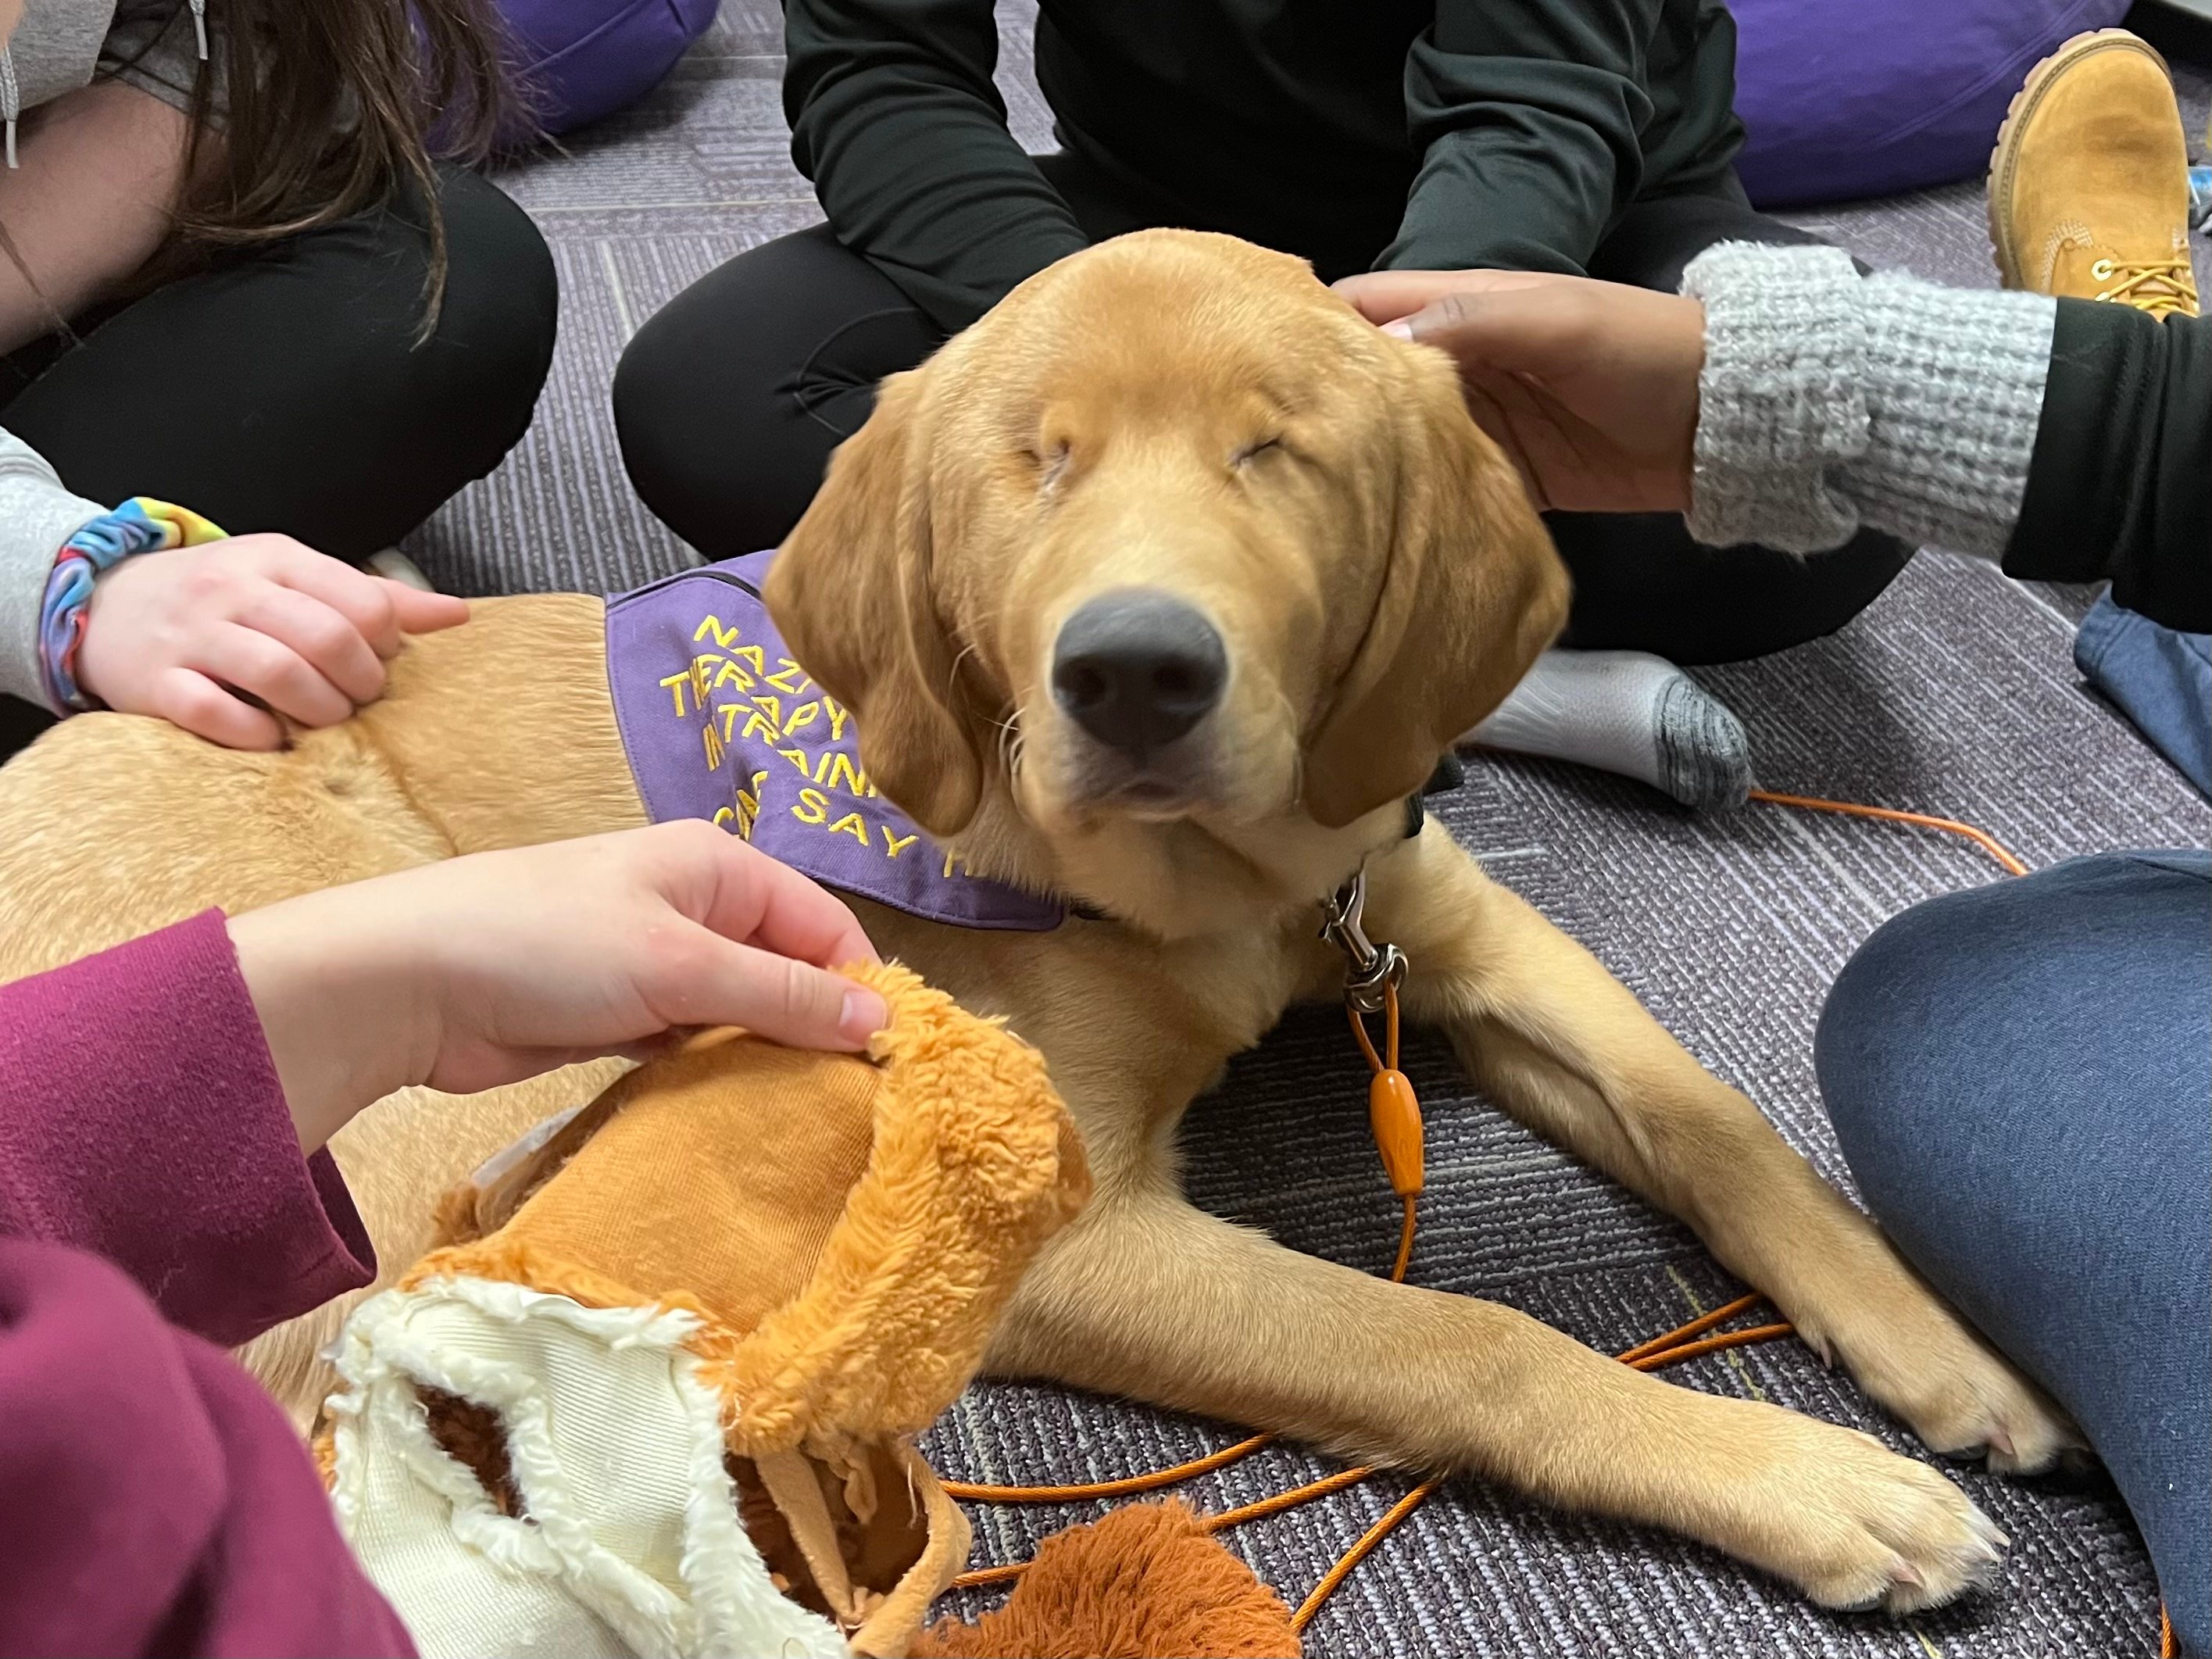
point(2163, 287)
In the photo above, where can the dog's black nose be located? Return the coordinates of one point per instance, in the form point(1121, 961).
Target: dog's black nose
point(1137, 670)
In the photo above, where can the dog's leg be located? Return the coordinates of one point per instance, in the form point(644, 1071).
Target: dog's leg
point(1565, 1048)
point(1146, 1296)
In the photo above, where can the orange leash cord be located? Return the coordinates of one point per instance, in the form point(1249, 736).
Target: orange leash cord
point(1394, 1116)
point(1981, 838)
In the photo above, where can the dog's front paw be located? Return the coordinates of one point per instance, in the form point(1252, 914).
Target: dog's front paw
point(1968, 1402)
point(1922, 1362)
point(1857, 1527)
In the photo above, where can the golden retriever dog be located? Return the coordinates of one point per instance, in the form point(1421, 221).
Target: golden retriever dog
point(1161, 589)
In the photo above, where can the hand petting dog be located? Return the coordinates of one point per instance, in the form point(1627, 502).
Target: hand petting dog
point(1590, 387)
point(183, 633)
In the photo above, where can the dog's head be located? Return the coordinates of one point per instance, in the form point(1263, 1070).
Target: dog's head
point(1169, 572)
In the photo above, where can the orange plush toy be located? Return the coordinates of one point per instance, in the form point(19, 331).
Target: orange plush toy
point(658, 1393)
point(1147, 1582)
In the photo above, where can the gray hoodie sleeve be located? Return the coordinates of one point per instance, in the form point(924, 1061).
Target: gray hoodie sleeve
point(59, 46)
point(156, 46)
point(37, 515)
point(1829, 400)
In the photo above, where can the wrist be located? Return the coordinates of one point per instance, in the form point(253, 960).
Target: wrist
point(1781, 397)
point(1679, 372)
point(139, 525)
point(343, 1008)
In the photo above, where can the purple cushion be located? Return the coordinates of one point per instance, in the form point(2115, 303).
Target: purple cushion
point(581, 59)
point(1883, 96)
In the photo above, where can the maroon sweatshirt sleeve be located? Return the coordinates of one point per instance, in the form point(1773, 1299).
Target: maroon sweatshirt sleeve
point(155, 1500)
point(141, 1119)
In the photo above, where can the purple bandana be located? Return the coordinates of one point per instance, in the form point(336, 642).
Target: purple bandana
point(720, 724)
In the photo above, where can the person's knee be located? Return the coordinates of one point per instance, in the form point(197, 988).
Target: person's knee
point(1872, 1048)
point(729, 400)
point(1953, 1012)
point(2017, 1076)
point(671, 460)
point(443, 408)
point(716, 442)
point(703, 456)
point(493, 347)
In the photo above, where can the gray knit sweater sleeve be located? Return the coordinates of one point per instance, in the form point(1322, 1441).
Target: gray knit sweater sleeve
point(37, 515)
point(1829, 401)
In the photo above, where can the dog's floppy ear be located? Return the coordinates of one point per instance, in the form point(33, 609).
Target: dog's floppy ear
point(851, 591)
point(1474, 591)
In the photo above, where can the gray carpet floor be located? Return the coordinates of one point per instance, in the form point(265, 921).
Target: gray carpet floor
point(1954, 693)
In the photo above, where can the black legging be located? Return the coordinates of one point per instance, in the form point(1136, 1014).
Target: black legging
point(284, 389)
point(730, 399)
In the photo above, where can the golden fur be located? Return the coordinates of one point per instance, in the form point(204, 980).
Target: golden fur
point(1189, 413)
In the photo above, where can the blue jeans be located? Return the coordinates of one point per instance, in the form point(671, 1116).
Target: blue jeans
point(2021, 1078)
point(2160, 680)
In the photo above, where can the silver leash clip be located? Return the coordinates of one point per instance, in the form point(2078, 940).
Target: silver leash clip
point(1371, 969)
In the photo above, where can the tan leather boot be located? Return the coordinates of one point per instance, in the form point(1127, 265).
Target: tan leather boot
point(2089, 183)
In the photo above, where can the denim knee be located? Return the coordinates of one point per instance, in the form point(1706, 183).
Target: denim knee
point(2021, 1077)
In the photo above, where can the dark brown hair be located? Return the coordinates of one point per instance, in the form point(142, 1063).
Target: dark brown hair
point(334, 107)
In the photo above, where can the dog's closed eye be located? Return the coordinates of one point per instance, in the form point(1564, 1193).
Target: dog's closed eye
point(1049, 462)
point(1253, 451)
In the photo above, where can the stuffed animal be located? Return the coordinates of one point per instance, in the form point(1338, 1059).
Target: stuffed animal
point(659, 1393)
point(656, 1393)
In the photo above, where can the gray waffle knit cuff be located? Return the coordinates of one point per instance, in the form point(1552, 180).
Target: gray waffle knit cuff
point(1780, 403)
point(1954, 381)
point(1828, 400)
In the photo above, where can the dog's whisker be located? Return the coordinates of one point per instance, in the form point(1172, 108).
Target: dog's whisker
point(1012, 741)
point(952, 673)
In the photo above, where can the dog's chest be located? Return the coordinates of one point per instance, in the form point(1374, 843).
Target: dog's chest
point(719, 723)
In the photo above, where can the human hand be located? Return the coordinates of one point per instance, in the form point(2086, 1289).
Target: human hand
point(477, 971)
point(179, 634)
point(1590, 387)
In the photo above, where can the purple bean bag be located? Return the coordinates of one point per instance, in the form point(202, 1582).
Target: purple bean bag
point(581, 59)
point(1847, 98)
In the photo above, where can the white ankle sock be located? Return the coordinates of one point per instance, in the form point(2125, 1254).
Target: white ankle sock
point(1630, 712)
point(395, 566)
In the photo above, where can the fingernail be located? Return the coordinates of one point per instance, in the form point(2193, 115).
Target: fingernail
point(862, 1017)
point(1399, 328)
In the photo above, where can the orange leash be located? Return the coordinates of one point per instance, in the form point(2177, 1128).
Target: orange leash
point(1673, 1349)
point(1394, 1116)
point(1388, 1523)
point(1981, 838)
point(1134, 1483)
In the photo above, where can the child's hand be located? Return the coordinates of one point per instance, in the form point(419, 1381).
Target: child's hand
point(483, 970)
point(1590, 387)
point(178, 634)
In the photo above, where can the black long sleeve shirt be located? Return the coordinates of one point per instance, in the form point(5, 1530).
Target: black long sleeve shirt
point(1408, 133)
point(2120, 482)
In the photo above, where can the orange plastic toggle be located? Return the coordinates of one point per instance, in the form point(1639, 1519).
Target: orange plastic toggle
point(1394, 1116)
